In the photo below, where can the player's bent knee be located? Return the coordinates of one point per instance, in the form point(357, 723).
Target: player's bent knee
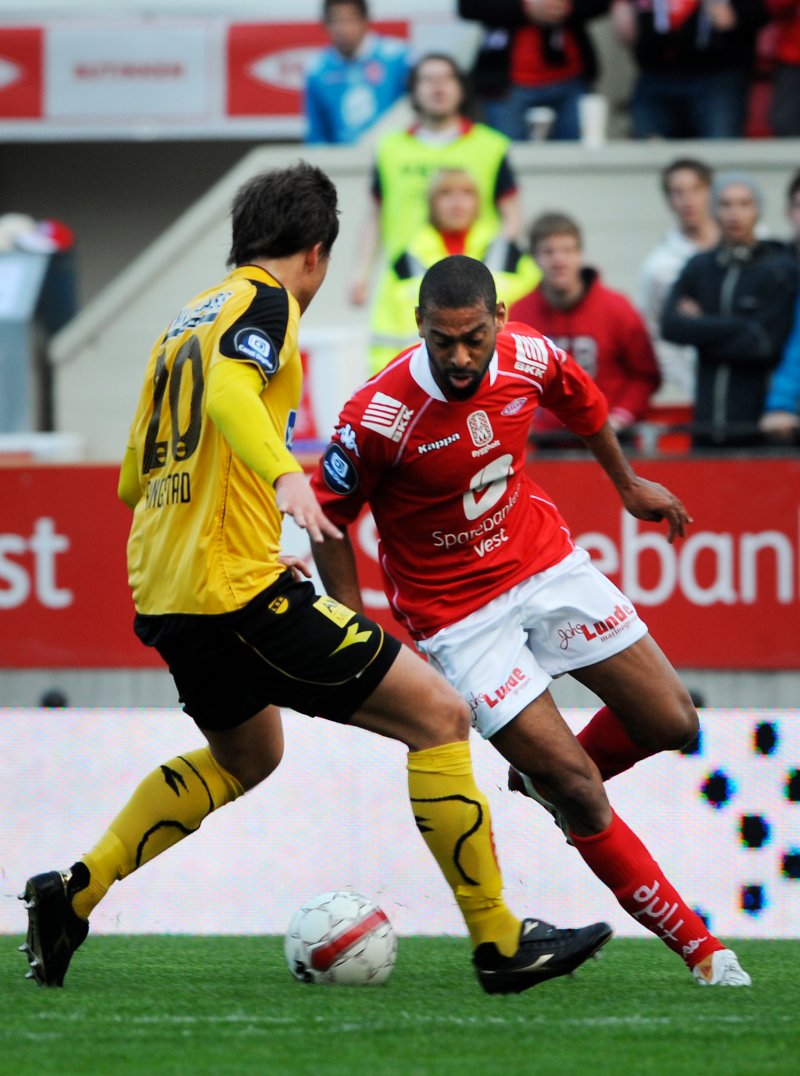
point(448, 717)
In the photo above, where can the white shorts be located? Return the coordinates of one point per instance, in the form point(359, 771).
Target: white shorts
point(506, 654)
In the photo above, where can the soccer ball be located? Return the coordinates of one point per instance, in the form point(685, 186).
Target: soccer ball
point(342, 938)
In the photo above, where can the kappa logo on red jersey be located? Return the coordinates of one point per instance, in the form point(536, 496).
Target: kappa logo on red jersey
point(386, 416)
point(532, 355)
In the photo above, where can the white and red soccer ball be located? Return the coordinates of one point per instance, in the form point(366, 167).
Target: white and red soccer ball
point(343, 938)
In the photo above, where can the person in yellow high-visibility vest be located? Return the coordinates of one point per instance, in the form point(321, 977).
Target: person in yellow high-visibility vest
point(454, 226)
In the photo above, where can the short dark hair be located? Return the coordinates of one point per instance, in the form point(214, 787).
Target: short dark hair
point(794, 186)
point(456, 282)
point(467, 107)
point(360, 4)
point(703, 171)
point(283, 211)
point(546, 225)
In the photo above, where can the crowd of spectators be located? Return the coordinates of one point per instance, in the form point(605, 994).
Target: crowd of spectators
point(715, 325)
point(698, 65)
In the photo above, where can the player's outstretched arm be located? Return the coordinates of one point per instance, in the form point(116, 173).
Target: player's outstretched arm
point(642, 498)
point(336, 564)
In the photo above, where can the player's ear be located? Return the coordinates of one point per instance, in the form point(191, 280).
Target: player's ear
point(418, 316)
point(314, 255)
point(501, 315)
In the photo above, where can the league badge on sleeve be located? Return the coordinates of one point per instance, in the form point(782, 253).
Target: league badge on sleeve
point(339, 471)
point(254, 345)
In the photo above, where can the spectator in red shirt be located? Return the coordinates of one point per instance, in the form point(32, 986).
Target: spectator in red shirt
point(785, 108)
point(600, 328)
point(534, 53)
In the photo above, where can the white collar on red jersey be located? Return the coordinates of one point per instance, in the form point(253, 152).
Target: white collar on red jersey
point(420, 369)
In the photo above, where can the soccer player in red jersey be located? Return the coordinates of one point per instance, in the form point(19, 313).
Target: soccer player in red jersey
point(479, 566)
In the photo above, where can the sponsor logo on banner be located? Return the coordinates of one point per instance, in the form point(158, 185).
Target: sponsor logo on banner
point(45, 548)
point(725, 597)
point(129, 70)
point(386, 416)
point(267, 64)
point(21, 73)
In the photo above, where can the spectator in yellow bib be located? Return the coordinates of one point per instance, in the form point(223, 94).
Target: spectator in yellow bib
point(454, 226)
point(443, 136)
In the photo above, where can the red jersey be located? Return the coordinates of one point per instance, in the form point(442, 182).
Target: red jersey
point(458, 518)
point(608, 337)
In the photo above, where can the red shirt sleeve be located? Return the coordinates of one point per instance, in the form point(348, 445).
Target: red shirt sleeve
point(568, 391)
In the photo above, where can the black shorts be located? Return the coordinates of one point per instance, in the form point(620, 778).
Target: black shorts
point(290, 646)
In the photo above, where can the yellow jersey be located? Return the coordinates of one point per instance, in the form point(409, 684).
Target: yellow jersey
point(206, 529)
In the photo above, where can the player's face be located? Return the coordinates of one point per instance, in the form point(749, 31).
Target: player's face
point(437, 90)
point(688, 196)
point(737, 213)
point(347, 28)
point(454, 204)
point(460, 344)
point(561, 259)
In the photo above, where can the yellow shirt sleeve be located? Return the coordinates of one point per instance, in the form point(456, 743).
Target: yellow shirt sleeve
point(233, 402)
point(129, 489)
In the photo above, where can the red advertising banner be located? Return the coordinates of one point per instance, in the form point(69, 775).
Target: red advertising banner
point(725, 597)
point(21, 72)
point(266, 64)
point(64, 598)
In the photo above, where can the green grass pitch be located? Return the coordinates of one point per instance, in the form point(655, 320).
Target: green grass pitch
point(192, 1006)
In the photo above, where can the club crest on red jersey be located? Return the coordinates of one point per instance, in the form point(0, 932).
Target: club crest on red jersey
point(480, 428)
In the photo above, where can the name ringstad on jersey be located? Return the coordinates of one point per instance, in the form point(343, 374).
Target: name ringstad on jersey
point(173, 489)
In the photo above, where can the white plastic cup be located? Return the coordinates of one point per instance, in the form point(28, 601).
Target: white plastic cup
point(593, 113)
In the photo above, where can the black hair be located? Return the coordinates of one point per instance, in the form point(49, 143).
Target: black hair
point(283, 211)
point(456, 282)
point(360, 4)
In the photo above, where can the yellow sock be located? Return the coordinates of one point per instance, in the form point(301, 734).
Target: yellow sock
point(453, 816)
point(170, 803)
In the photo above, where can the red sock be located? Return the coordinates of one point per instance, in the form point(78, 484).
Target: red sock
point(621, 861)
point(609, 746)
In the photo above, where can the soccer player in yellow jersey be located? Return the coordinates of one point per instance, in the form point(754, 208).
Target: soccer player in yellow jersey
point(208, 474)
